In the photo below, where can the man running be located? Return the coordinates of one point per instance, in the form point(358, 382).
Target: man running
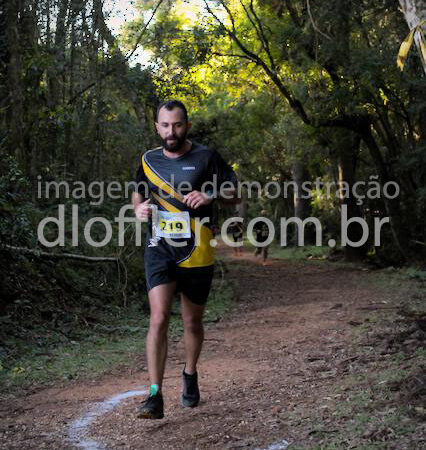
point(237, 234)
point(175, 174)
point(262, 234)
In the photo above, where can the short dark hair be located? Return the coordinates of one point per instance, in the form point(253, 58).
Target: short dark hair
point(172, 104)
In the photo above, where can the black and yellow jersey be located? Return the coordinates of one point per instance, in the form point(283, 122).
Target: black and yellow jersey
point(166, 180)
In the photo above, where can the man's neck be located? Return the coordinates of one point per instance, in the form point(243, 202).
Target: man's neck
point(184, 149)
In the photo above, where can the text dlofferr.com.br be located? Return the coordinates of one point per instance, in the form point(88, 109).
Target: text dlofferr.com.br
point(61, 224)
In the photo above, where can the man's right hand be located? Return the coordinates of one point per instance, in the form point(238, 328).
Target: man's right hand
point(143, 210)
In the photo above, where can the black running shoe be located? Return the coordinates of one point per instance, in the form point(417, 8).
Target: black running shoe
point(152, 407)
point(191, 393)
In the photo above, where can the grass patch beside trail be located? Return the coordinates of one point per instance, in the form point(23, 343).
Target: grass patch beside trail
point(409, 282)
point(379, 402)
point(379, 405)
point(88, 352)
point(298, 253)
point(292, 253)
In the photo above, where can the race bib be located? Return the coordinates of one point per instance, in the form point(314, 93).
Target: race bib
point(173, 225)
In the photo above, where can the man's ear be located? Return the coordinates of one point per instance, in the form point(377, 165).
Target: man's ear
point(188, 127)
point(157, 127)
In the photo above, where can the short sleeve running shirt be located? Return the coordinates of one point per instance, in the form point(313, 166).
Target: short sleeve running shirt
point(166, 180)
point(199, 166)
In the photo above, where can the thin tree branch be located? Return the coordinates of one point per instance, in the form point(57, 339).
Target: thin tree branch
point(263, 35)
point(234, 37)
point(124, 59)
point(356, 122)
point(143, 30)
point(252, 22)
point(263, 42)
point(227, 10)
point(327, 65)
point(314, 24)
point(40, 253)
point(294, 103)
point(234, 55)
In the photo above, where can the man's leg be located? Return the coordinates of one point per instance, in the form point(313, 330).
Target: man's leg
point(265, 254)
point(160, 301)
point(240, 249)
point(192, 316)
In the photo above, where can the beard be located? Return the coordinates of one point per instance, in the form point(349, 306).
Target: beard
point(176, 145)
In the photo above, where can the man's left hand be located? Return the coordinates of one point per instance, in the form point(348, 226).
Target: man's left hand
point(196, 199)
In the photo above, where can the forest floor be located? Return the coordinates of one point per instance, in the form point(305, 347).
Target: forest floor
point(314, 355)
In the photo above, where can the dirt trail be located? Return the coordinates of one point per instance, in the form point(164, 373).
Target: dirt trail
point(265, 372)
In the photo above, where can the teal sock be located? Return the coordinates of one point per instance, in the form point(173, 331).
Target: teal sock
point(154, 388)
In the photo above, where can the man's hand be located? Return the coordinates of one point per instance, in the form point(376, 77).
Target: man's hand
point(196, 199)
point(143, 210)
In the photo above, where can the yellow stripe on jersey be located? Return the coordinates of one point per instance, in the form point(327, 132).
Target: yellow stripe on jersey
point(159, 182)
point(202, 254)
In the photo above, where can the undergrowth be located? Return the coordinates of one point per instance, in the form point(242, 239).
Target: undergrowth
point(113, 337)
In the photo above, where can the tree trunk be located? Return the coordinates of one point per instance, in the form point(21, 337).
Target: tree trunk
point(3, 75)
point(15, 111)
point(54, 71)
point(401, 235)
point(348, 151)
point(348, 142)
point(421, 228)
point(302, 205)
point(57, 69)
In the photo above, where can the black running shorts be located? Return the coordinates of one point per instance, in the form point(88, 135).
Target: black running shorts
point(161, 268)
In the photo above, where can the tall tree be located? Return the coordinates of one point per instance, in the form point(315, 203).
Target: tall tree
point(15, 103)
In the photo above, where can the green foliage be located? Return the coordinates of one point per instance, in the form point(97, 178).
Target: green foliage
point(102, 339)
point(15, 206)
point(299, 253)
point(51, 303)
point(337, 63)
point(76, 109)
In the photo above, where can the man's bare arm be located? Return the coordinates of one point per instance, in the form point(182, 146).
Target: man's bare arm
point(195, 199)
point(141, 206)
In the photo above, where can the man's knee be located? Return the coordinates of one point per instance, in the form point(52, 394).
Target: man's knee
point(159, 322)
point(193, 324)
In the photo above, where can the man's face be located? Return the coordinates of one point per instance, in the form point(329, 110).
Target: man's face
point(172, 128)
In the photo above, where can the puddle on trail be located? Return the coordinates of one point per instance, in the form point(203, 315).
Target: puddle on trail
point(79, 429)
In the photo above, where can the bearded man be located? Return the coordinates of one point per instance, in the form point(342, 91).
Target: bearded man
point(176, 260)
